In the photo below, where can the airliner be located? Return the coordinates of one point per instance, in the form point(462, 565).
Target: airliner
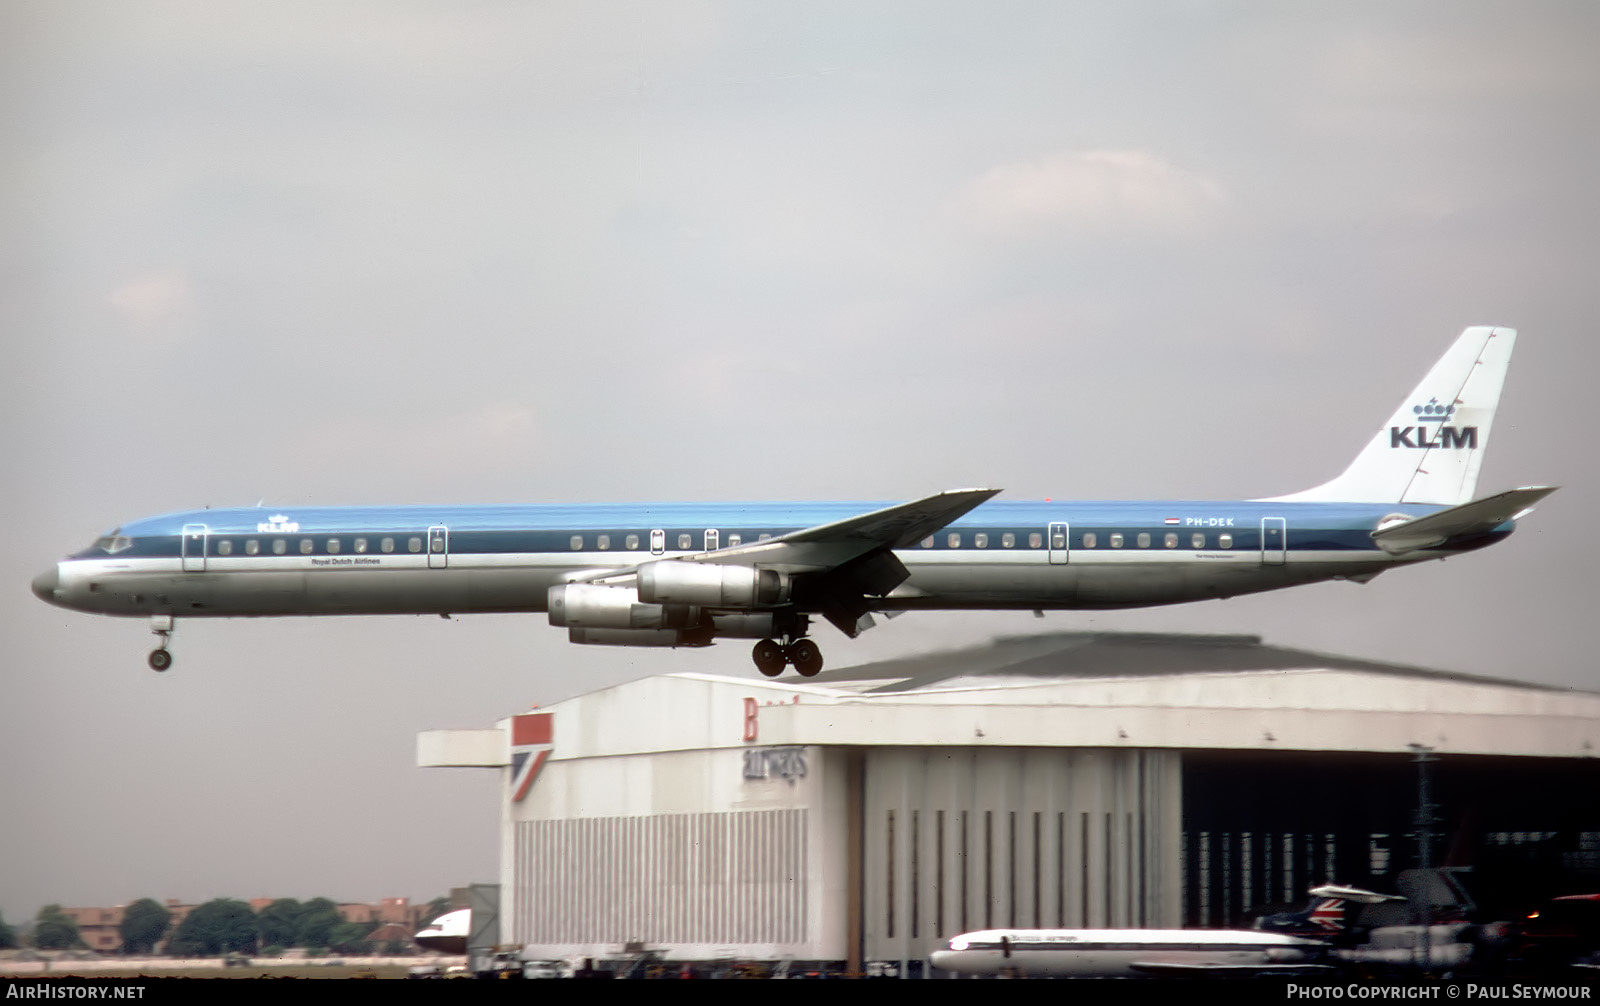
point(447, 934)
point(1341, 927)
point(689, 574)
point(1131, 953)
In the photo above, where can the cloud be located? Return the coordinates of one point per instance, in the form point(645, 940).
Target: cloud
point(158, 307)
point(1126, 191)
point(481, 440)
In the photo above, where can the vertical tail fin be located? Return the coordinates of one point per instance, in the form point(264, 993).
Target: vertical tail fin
point(1432, 447)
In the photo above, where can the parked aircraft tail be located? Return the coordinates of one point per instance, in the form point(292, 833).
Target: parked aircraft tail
point(1432, 447)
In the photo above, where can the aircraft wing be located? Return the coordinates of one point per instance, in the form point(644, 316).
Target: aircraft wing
point(815, 549)
point(1463, 521)
point(838, 565)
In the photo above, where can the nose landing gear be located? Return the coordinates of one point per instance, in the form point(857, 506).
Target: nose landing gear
point(161, 657)
point(771, 657)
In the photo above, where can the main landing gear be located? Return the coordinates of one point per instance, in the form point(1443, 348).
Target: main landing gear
point(161, 657)
point(771, 657)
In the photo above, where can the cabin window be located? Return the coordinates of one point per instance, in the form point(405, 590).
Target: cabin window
point(763, 537)
point(334, 546)
point(359, 545)
point(632, 541)
point(1144, 539)
point(954, 540)
point(1116, 540)
point(576, 542)
point(1008, 540)
point(980, 540)
point(306, 545)
point(1089, 539)
point(734, 540)
point(414, 544)
point(927, 542)
point(1035, 539)
point(1058, 539)
point(1224, 540)
point(251, 547)
point(1170, 540)
point(602, 542)
point(279, 546)
point(685, 541)
point(224, 547)
point(387, 545)
point(1197, 540)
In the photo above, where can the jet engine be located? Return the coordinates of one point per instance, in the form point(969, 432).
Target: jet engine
point(592, 606)
point(711, 585)
point(600, 615)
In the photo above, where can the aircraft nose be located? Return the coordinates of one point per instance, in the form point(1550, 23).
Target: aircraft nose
point(46, 584)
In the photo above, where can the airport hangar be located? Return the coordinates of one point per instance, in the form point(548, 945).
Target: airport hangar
point(1062, 780)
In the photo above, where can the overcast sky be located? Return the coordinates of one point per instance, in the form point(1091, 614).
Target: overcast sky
point(498, 251)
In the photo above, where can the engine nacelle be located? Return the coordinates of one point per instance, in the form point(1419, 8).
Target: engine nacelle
point(710, 585)
point(754, 626)
point(592, 606)
point(640, 637)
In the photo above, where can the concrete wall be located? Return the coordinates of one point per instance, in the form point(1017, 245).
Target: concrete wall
point(961, 839)
point(701, 854)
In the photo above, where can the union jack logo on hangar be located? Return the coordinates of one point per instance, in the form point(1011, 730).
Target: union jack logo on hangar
point(531, 743)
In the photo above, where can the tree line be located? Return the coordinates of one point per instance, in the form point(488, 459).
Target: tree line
point(220, 926)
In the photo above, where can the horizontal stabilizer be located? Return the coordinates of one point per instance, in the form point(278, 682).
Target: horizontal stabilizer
point(1359, 895)
point(1459, 522)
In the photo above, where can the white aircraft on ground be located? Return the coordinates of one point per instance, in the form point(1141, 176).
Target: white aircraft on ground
point(1341, 927)
point(1130, 953)
point(447, 934)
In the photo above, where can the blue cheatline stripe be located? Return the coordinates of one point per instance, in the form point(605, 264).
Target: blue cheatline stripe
point(559, 541)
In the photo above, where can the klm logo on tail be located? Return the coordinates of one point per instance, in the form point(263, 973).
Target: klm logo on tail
point(1453, 437)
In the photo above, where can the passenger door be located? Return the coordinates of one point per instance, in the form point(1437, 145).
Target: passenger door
point(438, 546)
point(194, 547)
point(1274, 541)
point(1057, 542)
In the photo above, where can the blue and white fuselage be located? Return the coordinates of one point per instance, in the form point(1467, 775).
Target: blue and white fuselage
point(675, 574)
point(463, 559)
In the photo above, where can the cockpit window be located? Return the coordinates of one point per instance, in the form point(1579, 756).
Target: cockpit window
point(113, 543)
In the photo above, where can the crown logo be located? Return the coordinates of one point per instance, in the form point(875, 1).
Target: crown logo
point(1433, 412)
point(278, 524)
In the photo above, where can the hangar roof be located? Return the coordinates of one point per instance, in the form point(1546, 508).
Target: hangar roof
point(1084, 689)
point(1075, 655)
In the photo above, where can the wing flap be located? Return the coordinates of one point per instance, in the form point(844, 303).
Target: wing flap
point(1459, 522)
